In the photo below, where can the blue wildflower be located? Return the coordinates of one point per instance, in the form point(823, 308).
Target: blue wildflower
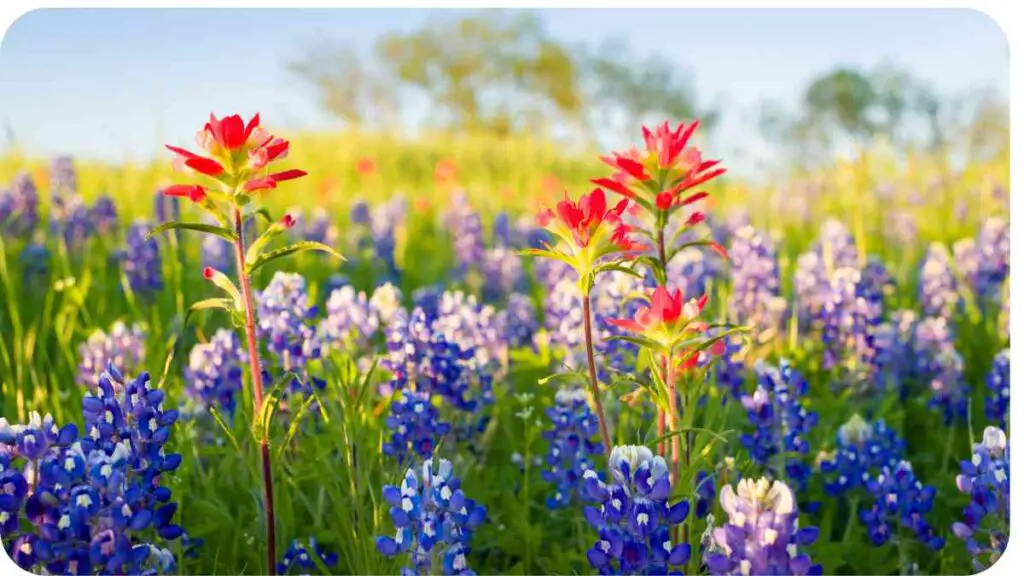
point(213, 376)
point(986, 478)
point(20, 214)
point(940, 367)
point(502, 269)
point(122, 346)
point(755, 298)
point(997, 403)
point(519, 321)
point(304, 556)
point(570, 445)
point(141, 260)
point(634, 521)
point(862, 450)
point(899, 499)
point(414, 424)
point(434, 521)
point(351, 323)
point(938, 289)
point(761, 536)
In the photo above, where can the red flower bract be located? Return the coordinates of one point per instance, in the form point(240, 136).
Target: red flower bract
point(231, 132)
point(193, 192)
point(665, 309)
point(585, 215)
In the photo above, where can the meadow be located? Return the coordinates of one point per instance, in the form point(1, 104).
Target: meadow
point(853, 351)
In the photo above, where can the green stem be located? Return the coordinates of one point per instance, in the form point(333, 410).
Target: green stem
point(595, 391)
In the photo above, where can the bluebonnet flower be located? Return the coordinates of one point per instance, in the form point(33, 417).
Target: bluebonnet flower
point(941, 367)
point(285, 323)
point(318, 228)
point(122, 346)
point(836, 246)
point(166, 208)
point(811, 288)
point(104, 215)
point(862, 450)
point(351, 323)
point(284, 320)
point(549, 273)
point(730, 370)
point(503, 274)
point(938, 290)
point(35, 261)
point(71, 220)
point(781, 423)
point(615, 295)
point(63, 178)
point(434, 521)
point(415, 426)
point(997, 403)
point(986, 478)
point(984, 264)
point(301, 555)
point(755, 299)
point(386, 303)
point(471, 326)
point(691, 271)
point(563, 319)
point(519, 321)
point(373, 235)
point(504, 236)
point(20, 213)
point(570, 445)
point(761, 536)
point(1004, 313)
point(894, 342)
point(634, 520)
point(467, 232)
point(899, 500)
point(850, 319)
point(97, 503)
point(141, 260)
point(704, 493)
point(213, 376)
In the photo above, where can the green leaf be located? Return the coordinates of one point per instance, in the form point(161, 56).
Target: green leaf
point(306, 246)
point(687, 429)
point(563, 376)
point(224, 233)
point(617, 267)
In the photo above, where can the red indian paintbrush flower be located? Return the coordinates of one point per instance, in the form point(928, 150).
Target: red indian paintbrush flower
point(665, 169)
point(236, 154)
point(588, 221)
point(667, 320)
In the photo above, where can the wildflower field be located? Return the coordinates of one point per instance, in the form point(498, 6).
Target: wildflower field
point(354, 354)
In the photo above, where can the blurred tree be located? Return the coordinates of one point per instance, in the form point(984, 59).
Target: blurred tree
point(843, 99)
point(636, 90)
point(347, 88)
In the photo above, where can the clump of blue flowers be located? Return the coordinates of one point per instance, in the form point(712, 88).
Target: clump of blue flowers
point(519, 322)
point(351, 323)
point(761, 536)
point(634, 519)
point(95, 504)
point(997, 403)
point(899, 500)
point(122, 346)
point(862, 450)
point(141, 261)
point(938, 289)
point(303, 556)
point(415, 426)
point(755, 298)
point(941, 368)
point(781, 423)
point(213, 376)
point(986, 479)
point(570, 445)
point(434, 521)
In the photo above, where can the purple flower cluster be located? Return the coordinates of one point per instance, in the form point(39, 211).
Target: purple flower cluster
point(851, 316)
point(755, 298)
point(899, 500)
point(306, 556)
point(466, 228)
point(997, 403)
point(141, 261)
point(94, 504)
point(986, 478)
point(351, 323)
point(518, 321)
point(984, 264)
point(570, 445)
point(938, 289)
point(761, 535)
point(434, 521)
point(318, 228)
point(213, 376)
point(781, 423)
point(634, 520)
point(19, 207)
point(615, 295)
point(563, 319)
point(373, 235)
point(941, 367)
point(122, 346)
point(415, 426)
point(862, 450)
point(503, 274)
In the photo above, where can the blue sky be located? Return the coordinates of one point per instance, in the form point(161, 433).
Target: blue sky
point(114, 84)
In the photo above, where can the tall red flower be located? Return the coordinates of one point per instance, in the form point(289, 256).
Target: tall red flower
point(584, 217)
point(667, 319)
point(236, 154)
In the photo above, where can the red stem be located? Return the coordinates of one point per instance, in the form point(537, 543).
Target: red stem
point(594, 390)
point(257, 393)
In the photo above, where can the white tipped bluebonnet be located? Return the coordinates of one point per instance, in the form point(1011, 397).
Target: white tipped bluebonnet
point(634, 520)
point(851, 318)
point(19, 207)
point(434, 521)
point(761, 535)
point(563, 319)
point(938, 290)
point(519, 322)
point(123, 346)
point(985, 263)
point(213, 376)
point(301, 557)
point(941, 368)
point(350, 324)
point(284, 320)
point(570, 445)
point(862, 450)
point(997, 403)
point(386, 303)
point(986, 479)
point(755, 298)
point(899, 499)
point(141, 260)
point(502, 270)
